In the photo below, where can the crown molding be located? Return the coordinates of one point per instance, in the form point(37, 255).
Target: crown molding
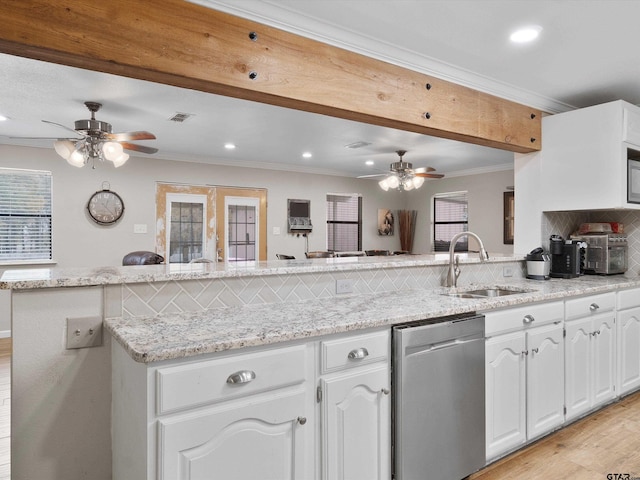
point(268, 12)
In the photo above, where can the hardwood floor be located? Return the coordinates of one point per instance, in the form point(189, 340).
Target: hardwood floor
point(5, 408)
point(603, 443)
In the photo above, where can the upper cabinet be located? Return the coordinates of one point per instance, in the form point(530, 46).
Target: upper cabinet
point(583, 163)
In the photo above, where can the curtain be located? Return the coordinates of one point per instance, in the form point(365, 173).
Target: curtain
point(407, 223)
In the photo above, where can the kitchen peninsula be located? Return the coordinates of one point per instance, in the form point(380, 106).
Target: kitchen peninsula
point(162, 314)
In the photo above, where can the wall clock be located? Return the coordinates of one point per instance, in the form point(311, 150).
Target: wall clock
point(105, 207)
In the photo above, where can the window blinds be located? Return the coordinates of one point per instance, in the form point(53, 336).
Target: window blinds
point(25, 215)
point(450, 217)
point(344, 222)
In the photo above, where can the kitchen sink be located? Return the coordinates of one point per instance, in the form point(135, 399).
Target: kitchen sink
point(487, 292)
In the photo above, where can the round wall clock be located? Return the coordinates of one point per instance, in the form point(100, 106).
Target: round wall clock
point(105, 207)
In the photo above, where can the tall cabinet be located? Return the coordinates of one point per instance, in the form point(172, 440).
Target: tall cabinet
point(524, 375)
point(590, 353)
point(628, 333)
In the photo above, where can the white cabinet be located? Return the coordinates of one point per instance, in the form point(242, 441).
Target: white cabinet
point(590, 353)
point(524, 375)
point(628, 332)
point(298, 411)
point(583, 162)
point(355, 407)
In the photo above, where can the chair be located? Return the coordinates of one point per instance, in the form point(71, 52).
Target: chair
point(349, 254)
point(401, 252)
point(282, 256)
point(377, 253)
point(319, 254)
point(142, 257)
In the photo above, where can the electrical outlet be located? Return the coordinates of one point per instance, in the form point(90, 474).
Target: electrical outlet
point(507, 271)
point(83, 332)
point(344, 285)
point(276, 230)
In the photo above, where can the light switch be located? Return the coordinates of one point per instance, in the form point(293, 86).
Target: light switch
point(140, 228)
point(276, 230)
point(83, 332)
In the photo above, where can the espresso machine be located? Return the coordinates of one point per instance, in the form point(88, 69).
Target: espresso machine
point(566, 257)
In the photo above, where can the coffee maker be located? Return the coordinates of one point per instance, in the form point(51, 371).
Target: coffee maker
point(566, 257)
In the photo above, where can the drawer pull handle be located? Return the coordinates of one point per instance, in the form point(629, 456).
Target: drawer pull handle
point(358, 353)
point(528, 319)
point(243, 376)
point(385, 391)
point(302, 420)
point(593, 307)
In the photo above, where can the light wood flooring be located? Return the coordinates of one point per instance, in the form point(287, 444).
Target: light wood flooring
point(603, 443)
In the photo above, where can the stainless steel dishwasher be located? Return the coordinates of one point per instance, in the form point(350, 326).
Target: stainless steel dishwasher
point(438, 398)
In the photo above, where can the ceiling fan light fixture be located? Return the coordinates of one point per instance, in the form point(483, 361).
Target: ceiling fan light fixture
point(384, 184)
point(121, 160)
point(64, 148)
point(112, 150)
point(76, 158)
point(418, 182)
point(407, 184)
point(393, 181)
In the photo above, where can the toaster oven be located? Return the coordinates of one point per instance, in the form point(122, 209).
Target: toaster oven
point(606, 254)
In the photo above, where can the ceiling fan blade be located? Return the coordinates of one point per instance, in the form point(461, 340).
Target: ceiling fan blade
point(43, 138)
point(374, 175)
point(66, 128)
point(424, 170)
point(429, 175)
point(138, 148)
point(130, 136)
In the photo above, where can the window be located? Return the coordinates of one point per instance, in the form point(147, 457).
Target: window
point(450, 217)
point(242, 228)
point(186, 230)
point(344, 222)
point(25, 215)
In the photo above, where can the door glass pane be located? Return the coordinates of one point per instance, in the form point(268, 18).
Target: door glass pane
point(241, 233)
point(187, 222)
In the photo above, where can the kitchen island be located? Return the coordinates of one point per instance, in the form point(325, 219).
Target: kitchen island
point(61, 398)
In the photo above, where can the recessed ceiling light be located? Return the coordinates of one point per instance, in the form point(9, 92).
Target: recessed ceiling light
point(307, 155)
point(369, 162)
point(526, 34)
point(229, 146)
point(3, 118)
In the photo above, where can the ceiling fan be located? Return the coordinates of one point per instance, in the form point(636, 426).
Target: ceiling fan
point(95, 140)
point(403, 176)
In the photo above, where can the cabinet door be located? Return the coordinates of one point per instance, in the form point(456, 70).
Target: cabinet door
point(545, 380)
point(505, 393)
point(578, 366)
point(356, 425)
point(604, 356)
point(245, 440)
point(628, 350)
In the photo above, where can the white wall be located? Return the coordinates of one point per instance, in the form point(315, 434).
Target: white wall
point(485, 196)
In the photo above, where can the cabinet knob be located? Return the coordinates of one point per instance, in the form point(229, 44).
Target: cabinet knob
point(302, 420)
point(385, 391)
point(534, 350)
point(525, 352)
point(593, 307)
point(358, 353)
point(528, 319)
point(243, 376)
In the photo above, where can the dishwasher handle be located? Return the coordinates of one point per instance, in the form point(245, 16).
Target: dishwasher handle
point(451, 343)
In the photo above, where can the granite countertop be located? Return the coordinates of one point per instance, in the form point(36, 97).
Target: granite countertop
point(171, 336)
point(34, 278)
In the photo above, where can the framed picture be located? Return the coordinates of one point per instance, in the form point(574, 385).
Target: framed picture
point(385, 222)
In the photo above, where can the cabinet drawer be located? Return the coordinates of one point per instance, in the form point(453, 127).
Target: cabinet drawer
point(353, 351)
point(629, 298)
point(523, 317)
point(591, 305)
point(199, 383)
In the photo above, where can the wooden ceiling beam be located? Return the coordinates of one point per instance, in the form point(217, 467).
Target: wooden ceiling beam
point(183, 44)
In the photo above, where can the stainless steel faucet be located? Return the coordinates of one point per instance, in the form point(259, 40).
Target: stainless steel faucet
point(454, 269)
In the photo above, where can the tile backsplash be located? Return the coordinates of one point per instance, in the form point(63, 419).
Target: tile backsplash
point(564, 223)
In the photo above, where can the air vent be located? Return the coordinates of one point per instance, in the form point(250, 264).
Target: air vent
point(357, 145)
point(180, 117)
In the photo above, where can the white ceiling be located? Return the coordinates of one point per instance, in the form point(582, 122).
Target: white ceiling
point(586, 55)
